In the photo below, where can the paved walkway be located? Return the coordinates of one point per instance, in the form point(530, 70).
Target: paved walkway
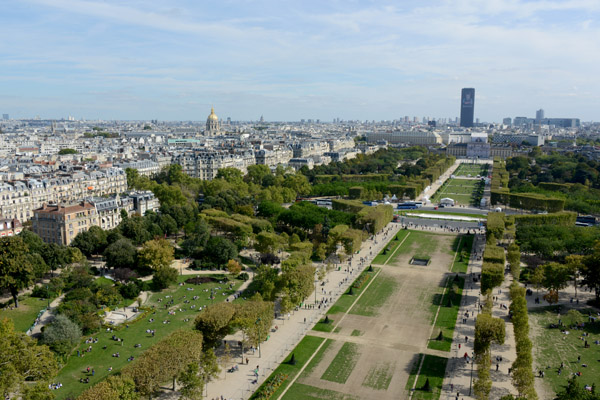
point(46, 317)
point(292, 328)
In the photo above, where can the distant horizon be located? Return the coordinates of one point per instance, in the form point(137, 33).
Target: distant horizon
point(360, 60)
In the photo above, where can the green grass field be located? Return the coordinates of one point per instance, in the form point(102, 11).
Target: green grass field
point(24, 316)
point(302, 352)
point(100, 359)
point(385, 254)
point(343, 364)
point(462, 191)
point(461, 262)
point(375, 296)
point(433, 369)
point(416, 243)
point(470, 169)
point(346, 300)
point(551, 347)
point(446, 319)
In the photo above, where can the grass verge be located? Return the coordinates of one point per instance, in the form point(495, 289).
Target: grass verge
point(24, 316)
point(390, 247)
point(433, 369)
point(448, 304)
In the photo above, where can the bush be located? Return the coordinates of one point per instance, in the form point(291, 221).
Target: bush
point(129, 290)
point(61, 335)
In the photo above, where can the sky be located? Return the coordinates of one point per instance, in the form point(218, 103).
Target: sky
point(290, 60)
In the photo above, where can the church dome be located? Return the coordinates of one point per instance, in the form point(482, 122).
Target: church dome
point(212, 116)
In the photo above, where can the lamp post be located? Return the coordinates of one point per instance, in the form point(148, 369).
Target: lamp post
point(259, 346)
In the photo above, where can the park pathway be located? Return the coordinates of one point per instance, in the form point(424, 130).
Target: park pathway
point(292, 328)
point(46, 317)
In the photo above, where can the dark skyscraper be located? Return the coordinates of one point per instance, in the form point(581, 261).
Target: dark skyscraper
point(467, 107)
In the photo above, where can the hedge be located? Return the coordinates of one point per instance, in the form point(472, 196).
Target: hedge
point(409, 190)
point(355, 192)
point(563, 218)
point(375, 218)
point(350, 206)
point(556, 187)
point(492, 275)
point(495, 224)
point(527, 201)
point(494, 254)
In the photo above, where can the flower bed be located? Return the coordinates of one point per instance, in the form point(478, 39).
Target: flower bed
point(266, 390)
point(364, 277)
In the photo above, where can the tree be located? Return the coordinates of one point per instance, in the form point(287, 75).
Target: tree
point(215, 323)
point(120, 254)
point(191, 382)
point(234, 268)
point(90, 242)
point(66, 151)
point(33, 241)
point(267, 242)
point(164, 277)
point(156, 254)
point(537, 278)
point(61, 335)
point(256, 173)
point(133, 177)
point(219, 251)
point(574, 264)
point(22, 359)
point(39, 391)
point(16, 271)
point(556, 277)
point(115, 387)
point(591, 271)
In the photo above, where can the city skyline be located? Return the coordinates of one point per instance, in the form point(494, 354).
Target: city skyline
point(360, 60)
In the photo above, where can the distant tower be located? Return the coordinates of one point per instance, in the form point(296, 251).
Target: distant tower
point(212, 123)
point(262, 119)
point(539, 116)
point(467, 107)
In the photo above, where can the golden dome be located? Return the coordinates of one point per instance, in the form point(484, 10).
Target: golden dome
point(212, 116)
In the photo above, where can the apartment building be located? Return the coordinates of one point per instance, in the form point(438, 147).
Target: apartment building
point(60, 224)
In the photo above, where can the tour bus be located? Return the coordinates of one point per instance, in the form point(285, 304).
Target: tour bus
point(409, 205)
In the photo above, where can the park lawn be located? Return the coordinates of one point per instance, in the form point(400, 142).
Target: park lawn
point(380, 376)
point(101, 359)
point(551, 347)
point(24, 316)
point(299, 391)
point(461, 264)
point(462, 191)
point(375, 296)
point(392, 244)
point(417, 243)
point(342, 364)
point(345, 301)
point(323, 326)
point(470, 169)
point(302, 352)
point(446, 319)
point(434, 369)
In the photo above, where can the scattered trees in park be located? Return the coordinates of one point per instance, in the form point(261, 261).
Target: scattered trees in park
point(22, 359)
point(121, 254)
point(590, 271)
point(234, 268)
point(164, 277)
point(556, 278)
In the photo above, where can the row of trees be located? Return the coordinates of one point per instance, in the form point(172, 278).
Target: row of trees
point(522, 367)
point(488, 331)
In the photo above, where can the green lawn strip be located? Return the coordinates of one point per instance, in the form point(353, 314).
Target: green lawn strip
point(380, 376)
point(101, 359)
point(391, 246)
point(356, 332)
point(323, 326)
point(470, 169)
point(375, 296)
point(299, 391)
point(343, 364)
point(346, 300)
point(446, 318)
point(551, 347)
point(433, 369)
point(461, 264)
point(24, 316)
point(302, 352)
point(317, 358)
